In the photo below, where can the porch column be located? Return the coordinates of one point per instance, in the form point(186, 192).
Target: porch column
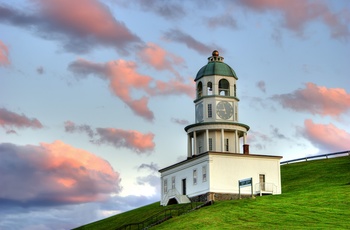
point(195, 143)
point(237, 141)
point(207, 138)
point(222, 141)
point(189, 145)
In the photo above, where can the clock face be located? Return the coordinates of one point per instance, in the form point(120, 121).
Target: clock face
point(199, 112)
point(224, 110)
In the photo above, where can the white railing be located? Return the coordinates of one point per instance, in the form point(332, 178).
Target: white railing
point(261, 188)
point(318, 157)
point(173, 193)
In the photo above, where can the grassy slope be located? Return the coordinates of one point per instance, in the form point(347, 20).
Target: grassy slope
point(316, 194)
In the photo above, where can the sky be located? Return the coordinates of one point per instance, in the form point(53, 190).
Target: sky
point(95, 95)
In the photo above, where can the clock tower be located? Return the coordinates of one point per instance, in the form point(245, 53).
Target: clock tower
point(216, 127)
point(215, 165)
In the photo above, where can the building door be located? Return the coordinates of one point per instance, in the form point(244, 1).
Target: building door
point(262, 182)
point(183, 186)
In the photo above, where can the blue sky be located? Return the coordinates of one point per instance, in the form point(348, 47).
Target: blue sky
point(94, 95)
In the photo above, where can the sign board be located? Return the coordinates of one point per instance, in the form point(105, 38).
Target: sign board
point(245, 183)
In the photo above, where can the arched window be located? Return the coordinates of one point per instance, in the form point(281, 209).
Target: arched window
point(210, 88)
point(199, 90)
point(234, 88)
point(224, 87)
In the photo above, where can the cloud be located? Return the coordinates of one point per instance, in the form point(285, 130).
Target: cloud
point(53, 174)
point(225, 20)
point(166, 9)
point(181, 37)
point(40, 70)
point(153, 167)
point(131, 139)
point(4, 54)
point(327, 137)
point(180, 121)
point(79, 30)
point(11, 119)
point(123, 78)
point(71, 127)
point(276, 133)
point(159, 58)
point(262, 86)
point(316, 100)
point(298, 13)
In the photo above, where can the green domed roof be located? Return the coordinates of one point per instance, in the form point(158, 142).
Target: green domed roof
point(216, 66)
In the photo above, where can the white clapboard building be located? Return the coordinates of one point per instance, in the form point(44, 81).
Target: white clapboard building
point(215, 163)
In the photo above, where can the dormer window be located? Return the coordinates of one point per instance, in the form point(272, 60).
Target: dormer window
point(199, 90)
point(224, 87)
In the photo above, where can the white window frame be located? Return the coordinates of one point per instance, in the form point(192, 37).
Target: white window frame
point(194, 176)
point(165, 186)
point(204, 173)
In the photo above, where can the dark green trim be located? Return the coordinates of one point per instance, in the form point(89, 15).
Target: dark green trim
point(217, 123)
point(218, 96)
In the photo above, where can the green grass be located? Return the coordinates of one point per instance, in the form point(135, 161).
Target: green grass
point(316, 195)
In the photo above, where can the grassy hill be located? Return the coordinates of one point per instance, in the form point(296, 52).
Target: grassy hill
point(316, 194)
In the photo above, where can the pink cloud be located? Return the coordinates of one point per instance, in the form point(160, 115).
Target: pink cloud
point(80, 24)
point(139, 142)
point(326, 137)
point(159, 58)
point(317, 100)
point(123, 77)
point(11, 119)
point(134, 140)
point(54, 173)
point(298, 13)
point(4, 54)
point(173, 87)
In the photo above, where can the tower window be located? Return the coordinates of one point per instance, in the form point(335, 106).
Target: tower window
point(210, 88)
point(234, 90)
point(210, 144)
point(226, 144)
point(199, 89)
point(210, 110)
point(173, 182)
point(224, 87)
